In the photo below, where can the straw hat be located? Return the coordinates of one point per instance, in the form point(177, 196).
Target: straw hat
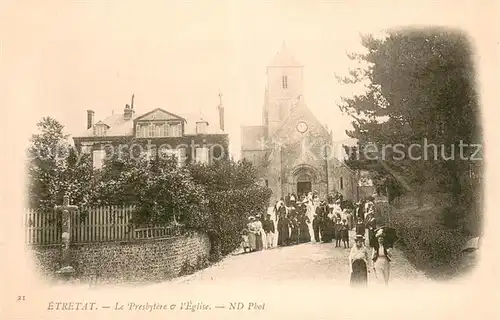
point(360, 237)
point(380, 233)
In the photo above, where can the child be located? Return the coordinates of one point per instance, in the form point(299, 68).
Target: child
point(338, 232)
point(345, 233)
point(245, 242)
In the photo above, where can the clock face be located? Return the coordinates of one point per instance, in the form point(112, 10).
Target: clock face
point(301, 127)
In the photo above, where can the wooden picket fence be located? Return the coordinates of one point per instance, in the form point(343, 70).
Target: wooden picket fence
point(99, 224)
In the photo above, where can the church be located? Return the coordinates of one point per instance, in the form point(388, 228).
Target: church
point(292, 150)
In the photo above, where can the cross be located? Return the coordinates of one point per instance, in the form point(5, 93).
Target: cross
point(220, 99)
point(66, 210)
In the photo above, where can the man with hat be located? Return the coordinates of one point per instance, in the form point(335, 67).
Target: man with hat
point(317, 223)
point(268, 226)
point(381, 258)
point(358, 262)
point(371, 224)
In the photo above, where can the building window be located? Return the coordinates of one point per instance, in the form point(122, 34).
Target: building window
point(99, 130)
point(151, 131)
point(175, 130)
point(202, 155)
point(284, 82)
point(267, 183)
point(165, 130)
point(142, 130)
point(341, 183)
point(98, 158)
point(179, 154)
point(86, 149)
point(159, 129)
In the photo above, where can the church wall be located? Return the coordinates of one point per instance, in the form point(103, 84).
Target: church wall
point(349, 182)
point(256, 157)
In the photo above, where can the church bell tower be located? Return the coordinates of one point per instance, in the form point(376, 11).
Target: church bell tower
point(284, 86)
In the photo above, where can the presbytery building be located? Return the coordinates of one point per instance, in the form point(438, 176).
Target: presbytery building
point(157, 132)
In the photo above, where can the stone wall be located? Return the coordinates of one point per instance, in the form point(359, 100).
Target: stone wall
point(127, 261)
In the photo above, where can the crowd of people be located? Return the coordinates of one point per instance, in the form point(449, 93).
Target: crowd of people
point(306, 218)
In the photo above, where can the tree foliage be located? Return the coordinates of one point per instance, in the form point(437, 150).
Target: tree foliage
point(232, 195)
point(421, 92)
point(157, 187)
point(54, 168)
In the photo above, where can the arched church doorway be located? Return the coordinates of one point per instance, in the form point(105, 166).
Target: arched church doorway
point(304, 183)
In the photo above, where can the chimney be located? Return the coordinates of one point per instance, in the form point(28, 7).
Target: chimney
point(128, 112)
point(221, 113)
point(90, 119)
point(201, 126)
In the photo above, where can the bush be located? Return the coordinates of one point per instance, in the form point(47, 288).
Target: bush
point(227, 214)
point(232, 195)
point(431, 247)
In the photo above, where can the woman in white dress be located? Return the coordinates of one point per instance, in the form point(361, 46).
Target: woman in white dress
point(381, 258)
point(259, 234)
point(252, 233)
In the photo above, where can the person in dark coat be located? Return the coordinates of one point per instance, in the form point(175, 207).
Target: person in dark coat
point(360, 227)
point(304, 235)
point(344, 233)
point(360, 210)
point(338, 232)
point(328, 225)
point(329, 222)
point(268, 226)
point(283, 225)
point(294, 226)
point(317, 223)
point(371, 225)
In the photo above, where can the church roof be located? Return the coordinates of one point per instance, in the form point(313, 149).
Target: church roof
point(252, 137)
point(284, 58)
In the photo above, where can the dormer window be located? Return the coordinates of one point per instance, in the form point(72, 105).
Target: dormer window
point(284, 82)
point(100, 129)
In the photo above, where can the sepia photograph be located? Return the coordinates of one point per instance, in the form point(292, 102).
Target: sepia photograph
point(259, 159)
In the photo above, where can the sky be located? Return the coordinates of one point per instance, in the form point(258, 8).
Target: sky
point(64, 57)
